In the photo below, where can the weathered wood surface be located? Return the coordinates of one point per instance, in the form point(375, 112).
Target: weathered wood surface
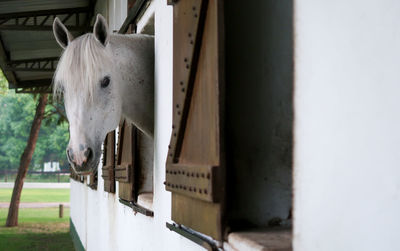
point(196, 144)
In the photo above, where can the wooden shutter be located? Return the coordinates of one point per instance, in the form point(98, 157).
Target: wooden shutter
point(124, 169)
point(109, 163)
point(76, 176)
point(195, 168)
point(93, 180)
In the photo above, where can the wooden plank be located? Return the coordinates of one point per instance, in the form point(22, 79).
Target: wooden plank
point(122, 172)
point(196, 140)
point(50, 12)
point(4, 58)
point(109, 163)
point(125, 157)
point(202, 216)
point(187, 42)
point(192, 180)
point(144, 163)
point(93, 178)
point(11, 27)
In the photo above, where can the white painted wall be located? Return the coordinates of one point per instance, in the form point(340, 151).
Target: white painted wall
point(347, 120)
point(100, 220)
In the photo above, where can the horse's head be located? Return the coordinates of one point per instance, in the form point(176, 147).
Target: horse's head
point(86, 77)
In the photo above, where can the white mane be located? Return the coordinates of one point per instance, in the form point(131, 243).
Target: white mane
point(86, 58)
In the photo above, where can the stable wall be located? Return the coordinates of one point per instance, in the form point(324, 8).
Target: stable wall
point(347, 120)
point(102, 222)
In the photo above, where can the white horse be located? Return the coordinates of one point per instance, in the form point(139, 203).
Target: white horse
point(103, 78)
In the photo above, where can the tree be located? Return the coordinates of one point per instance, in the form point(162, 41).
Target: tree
point(26, 157)
point(16, 114)
point(50, 139)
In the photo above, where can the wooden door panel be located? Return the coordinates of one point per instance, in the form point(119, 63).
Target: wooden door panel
point(124, 173)
point(109, 163)
point(195, 171)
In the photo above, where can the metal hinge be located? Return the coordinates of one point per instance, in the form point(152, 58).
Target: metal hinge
point(137, 208)
point(203, 241)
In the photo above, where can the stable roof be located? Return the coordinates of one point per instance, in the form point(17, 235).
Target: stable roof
point(28, 50)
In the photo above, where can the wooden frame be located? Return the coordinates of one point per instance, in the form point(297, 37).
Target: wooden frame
point(42, 20)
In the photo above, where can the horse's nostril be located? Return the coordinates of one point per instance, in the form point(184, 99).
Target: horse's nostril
point(69, 155)
point(88, 154)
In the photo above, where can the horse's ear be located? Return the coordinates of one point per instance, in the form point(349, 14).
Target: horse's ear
point(62, 35)
point(100, 30)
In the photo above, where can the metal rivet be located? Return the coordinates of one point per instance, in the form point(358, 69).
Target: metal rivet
point(208, 176)
point(185, 60)
point(190, 189)
point(174, 134)
point(192, 174)
point(197, 175)
point(173, 126)
point(179, 112)
point(177, 105)
point(202, 175)
point(205, 191)
point(195, 15)
point(191, 41)
point(183, 89)
point(183, 172)
point(175, 172)
point(184, 187)
point(190, 34)
point(194, 7)
point(181, 82)
point(194, 189)
point(187, 66)
point(170, 154)
point(200, 191)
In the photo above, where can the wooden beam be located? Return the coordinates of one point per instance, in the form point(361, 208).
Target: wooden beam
point(11, 21)
point(45, 12)
point(21, 27)
point(29, 69)
point(42, 89)
point(31, 60)
point(47, 64)
point(4, 58)
point(34, 83)
point(133, 15)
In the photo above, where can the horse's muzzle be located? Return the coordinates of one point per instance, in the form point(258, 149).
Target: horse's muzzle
point(84, 165)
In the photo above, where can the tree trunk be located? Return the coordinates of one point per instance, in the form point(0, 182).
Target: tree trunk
point(26, 157)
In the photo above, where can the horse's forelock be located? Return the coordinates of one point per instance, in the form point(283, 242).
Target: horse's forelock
point(80, 68)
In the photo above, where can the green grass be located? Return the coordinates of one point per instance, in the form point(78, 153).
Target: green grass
point(37, 195)
point(36, 241)
point(38, 229)
point(36, 215)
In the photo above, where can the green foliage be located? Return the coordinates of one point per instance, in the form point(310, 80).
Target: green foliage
point(16, 115)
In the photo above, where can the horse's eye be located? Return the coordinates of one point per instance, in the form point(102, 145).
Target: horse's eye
point(105, 82)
